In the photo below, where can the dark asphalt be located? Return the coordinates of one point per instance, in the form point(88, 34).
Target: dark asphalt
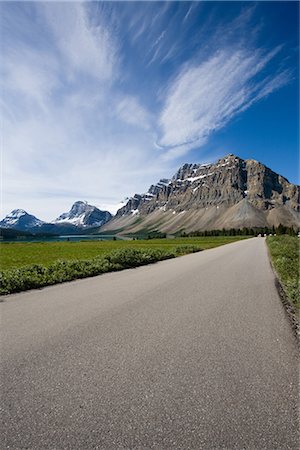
point(190, 353)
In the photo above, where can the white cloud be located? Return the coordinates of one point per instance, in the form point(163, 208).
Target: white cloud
point(61, 139)
point(88, 48)
point(55, 162)
point(73, 129)
point(205, 97)
point(130, 111)
point(188, 12)
point(160, 37)
point(31, 75)
point(180, 150)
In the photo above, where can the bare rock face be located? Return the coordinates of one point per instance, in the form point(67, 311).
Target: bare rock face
point(236, 192)
point(84, 215)
point(267, 189)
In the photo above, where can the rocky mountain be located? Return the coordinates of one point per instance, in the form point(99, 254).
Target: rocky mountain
point(231, 193)
point(81, 217)
point(84, 215)
point(20, 220)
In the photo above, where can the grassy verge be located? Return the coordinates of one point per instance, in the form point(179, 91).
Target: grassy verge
point(34, 265)
point(36, 275)
point(19, 254)
point(284, 251)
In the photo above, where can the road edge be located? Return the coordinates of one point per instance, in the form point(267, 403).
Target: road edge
point(289, 308)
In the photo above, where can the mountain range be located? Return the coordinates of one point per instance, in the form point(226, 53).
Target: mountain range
point(231, 193)
point(81, 217)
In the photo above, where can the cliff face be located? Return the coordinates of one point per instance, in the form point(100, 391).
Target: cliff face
point(84, 215)
point(230, 193)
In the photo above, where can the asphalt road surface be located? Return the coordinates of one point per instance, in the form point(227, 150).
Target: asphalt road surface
point(190, 353)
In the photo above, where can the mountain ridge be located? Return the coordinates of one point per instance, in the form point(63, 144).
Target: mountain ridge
point(231, 193)
point(81, 216)
point(21, 220)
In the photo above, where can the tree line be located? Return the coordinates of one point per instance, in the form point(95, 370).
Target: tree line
point(245, 231)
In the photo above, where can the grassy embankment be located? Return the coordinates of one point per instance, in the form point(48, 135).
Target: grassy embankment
point(284, 251)
point(33, 265)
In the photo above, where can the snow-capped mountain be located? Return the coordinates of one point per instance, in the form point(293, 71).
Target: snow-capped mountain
point(20, 220)
point(84, 215)
point(133, 203)
point(81, 216)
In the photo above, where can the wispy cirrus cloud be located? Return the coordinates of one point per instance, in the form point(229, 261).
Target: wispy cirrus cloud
point(54, 70)
point(130, 111)
point(70, 126)
point(204, 97)
point(29, 77)
point(102, 98)
point(83, 45)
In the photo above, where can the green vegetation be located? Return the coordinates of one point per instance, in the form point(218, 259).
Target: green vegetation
point(284, 251)
point(31, 265)
point(281, 229)
point(36, 275)
point(10, 233)
point(19, 254)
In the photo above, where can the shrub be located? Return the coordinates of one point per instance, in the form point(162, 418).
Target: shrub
point(35, 276)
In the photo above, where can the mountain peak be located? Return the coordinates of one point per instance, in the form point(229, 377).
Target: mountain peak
point(81, 215)
point(18, 212)
point(21, 220)
point(84, 215)
point(231, 192)
point(80, 202)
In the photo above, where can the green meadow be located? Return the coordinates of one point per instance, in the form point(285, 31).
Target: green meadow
point(32, 265)
point(16, 255)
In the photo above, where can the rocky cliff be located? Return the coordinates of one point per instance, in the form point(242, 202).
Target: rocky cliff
point(231, 193)
point(84, 215)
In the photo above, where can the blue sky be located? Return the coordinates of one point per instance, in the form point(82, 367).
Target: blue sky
point(101, 99)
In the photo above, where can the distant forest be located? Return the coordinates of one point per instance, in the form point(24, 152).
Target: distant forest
point(281, 229)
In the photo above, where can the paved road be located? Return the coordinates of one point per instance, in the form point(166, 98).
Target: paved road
point(191, 353)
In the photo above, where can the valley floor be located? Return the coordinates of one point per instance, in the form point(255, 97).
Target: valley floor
point(34, 265)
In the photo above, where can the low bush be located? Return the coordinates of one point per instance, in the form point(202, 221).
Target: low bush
point(36, 275)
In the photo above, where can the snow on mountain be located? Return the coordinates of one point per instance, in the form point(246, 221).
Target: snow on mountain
point(81, 215)
point(231, 193)
point(20, 220)
point(133, 203)
point(84, 215)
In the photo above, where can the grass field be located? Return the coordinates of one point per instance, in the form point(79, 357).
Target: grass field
point(32, 265)
point(284, 251)
point(16, 255)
